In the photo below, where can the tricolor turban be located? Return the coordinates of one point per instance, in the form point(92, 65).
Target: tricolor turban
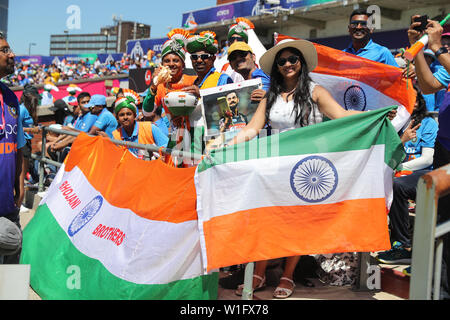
point(125, 102)
point(241, 28)
point(176, 43)
point(205, 41)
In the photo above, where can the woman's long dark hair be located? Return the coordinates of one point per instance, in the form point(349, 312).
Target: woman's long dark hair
point(31, 102)
point(302, 96)
point(420, 111)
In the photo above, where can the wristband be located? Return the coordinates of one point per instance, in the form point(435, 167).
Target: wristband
point(440, 51)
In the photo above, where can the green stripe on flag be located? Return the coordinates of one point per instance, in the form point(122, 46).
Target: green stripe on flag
point(56, 263)
point(356, 132)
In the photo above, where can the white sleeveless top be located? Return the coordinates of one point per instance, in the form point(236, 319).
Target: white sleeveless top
point(283, 119)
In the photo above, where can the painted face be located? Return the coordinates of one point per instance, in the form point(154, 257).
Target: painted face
point(202, 61)
point(175, 64)
point(6, 59)
point(126, 118)
point(289, 64)
point(358, 28)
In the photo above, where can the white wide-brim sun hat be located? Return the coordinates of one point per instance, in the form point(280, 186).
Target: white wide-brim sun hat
point(305, 47)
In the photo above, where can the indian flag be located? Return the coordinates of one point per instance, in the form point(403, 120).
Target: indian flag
point(321, 189)
point(116, 227)
point(358, 83)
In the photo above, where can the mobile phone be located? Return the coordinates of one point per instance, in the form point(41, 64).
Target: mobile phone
point(423, 23)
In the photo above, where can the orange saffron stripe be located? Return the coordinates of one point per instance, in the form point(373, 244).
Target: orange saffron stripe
point(151, 189)
point(274, 232)
point(384, 78)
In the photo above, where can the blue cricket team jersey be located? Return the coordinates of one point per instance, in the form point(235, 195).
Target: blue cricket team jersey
point(11, 139)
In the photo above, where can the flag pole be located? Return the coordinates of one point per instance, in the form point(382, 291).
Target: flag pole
point(411, 53)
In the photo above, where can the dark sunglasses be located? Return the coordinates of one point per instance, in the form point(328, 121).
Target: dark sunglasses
point(238, 54)
point(234, 39)
point(203, 56)
point(292, 59)
point(355, 23)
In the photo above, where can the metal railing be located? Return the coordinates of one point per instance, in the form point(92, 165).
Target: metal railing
point(151, 148)
point(428, 238)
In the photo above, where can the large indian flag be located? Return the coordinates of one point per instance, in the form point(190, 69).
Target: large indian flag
point(116, 227)
point(314, 190)
point(358, 83)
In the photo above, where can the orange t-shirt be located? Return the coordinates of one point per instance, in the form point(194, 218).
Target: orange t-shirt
point(162, 89)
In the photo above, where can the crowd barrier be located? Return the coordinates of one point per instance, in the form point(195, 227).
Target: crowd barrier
point(151, 148)
point(428, 237)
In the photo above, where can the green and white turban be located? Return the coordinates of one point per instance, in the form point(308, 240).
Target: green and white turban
point(241, 28)
point(205, 41)
point(176, 43)
point(125, 102)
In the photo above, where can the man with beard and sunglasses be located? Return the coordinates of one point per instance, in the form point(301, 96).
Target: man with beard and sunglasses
point(362, 45)
point(11, 157)
point(203, 49)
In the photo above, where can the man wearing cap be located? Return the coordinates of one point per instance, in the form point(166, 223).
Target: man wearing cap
point(362, 44)
point(11, 157)
point(243, 61)
point(83, 123)
point(106, 121)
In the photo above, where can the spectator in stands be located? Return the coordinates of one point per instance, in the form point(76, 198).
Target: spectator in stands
point(243, 61)
point(170, 77)
point(10, 159)
point(418, 140)
point(237, 32)
point(72, 89)
point(106, 121)
point(143, 132)
point(362, 44)
point(203, 49)
point(83, 123)
point(47, 97)
point(431, 82)
point(161, 122)
point(28, 117)
point(294, 94)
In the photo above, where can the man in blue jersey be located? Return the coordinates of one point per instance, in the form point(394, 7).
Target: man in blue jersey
point(106, 121)
point(362, 44)
point(11, 143)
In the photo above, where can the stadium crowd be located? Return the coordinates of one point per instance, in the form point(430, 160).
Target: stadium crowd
point(287, 99)
point(66, 70)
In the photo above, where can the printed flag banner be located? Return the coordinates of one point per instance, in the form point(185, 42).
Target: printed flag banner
point(116, 227)
point(358, 83)
point(320, 189)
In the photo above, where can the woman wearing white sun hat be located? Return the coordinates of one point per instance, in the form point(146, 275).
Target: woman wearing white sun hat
point(293, 101)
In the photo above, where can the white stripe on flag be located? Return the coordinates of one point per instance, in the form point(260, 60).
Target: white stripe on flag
point(372, 98)
point(151, 250)
point(238, 186)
